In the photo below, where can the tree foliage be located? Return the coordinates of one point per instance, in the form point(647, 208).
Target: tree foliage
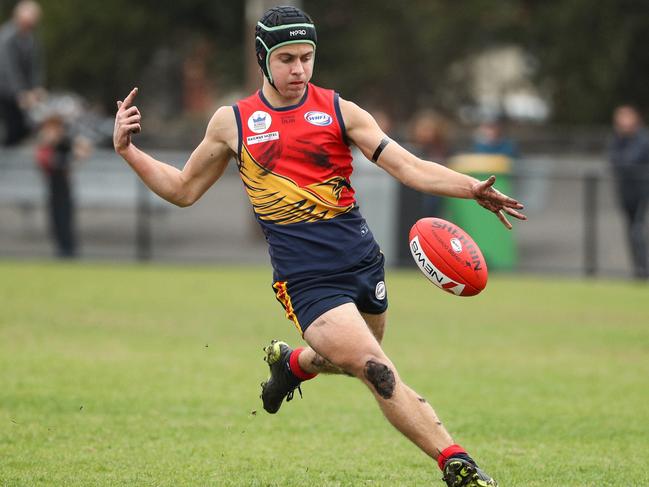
point(101, 49)
point(591, 55)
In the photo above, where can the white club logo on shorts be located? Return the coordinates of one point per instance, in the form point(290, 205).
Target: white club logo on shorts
point(259, 122)
point(456, 245)
point(380, 290)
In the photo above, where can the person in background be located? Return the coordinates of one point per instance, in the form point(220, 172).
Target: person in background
point(490, 139)
point(429, 138)
point(629, 156)
point(55, 153)
point(383, 119)
point(21, 70)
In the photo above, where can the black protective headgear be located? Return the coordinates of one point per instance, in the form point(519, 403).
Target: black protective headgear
point(278, 27)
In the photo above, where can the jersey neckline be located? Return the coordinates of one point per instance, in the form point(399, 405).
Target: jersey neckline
point(285, 109)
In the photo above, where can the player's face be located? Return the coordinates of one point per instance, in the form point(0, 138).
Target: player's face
point(292, 67)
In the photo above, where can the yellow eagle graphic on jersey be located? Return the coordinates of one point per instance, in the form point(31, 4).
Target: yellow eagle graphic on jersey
point(278, 199)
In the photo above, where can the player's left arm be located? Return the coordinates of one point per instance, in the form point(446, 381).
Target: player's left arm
point(425, 176)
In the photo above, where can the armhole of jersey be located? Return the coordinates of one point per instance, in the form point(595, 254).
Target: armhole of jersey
point(237, 115)
point(339, 116)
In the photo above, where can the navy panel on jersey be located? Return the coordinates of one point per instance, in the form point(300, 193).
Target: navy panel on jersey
point(321, 247)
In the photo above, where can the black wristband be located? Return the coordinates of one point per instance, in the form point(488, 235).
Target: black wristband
point(385, 141)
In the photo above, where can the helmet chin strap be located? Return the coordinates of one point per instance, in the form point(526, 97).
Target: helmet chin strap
point(270, 81)
point(268, 76)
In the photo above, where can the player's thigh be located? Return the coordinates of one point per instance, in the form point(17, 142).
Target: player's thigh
point(376, 324)
point(342, 336)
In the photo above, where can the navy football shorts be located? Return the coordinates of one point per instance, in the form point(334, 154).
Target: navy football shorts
point(306, 298)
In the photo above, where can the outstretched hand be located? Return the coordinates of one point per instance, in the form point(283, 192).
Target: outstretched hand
point(493, 200)
point(127, 122)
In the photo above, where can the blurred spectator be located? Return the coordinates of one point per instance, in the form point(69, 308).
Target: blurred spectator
point(629, 156)
point(21, 70)
point(490, 139)
point(429, 139)
point(55, 152)
point(197, 87)
point(383, 119)
point(430, 136)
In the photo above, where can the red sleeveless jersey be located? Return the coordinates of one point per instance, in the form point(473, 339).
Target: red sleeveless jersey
point(298, 152)
point(296, 165)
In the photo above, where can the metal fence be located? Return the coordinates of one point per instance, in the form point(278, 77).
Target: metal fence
point(574, 227)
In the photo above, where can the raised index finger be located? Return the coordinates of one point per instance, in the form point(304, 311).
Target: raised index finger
point(129, 99)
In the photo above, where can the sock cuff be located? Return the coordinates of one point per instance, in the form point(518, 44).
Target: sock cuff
point(448, 453)
point(294, 365)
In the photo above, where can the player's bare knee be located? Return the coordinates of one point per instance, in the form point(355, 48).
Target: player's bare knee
point(381, 376)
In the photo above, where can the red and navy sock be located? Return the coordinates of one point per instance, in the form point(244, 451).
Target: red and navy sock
point(294, 366)
point(453, 451)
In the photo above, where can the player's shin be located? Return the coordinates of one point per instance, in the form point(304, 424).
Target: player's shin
point(415, 418)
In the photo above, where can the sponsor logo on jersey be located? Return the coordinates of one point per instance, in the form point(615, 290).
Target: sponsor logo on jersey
point(258, 139)
point(259, 122)
point(456, 245)
point(320, 119)
point(433, 274)
point(380, 290)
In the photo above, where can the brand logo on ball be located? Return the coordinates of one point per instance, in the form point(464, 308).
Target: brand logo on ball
point(470, 246)
point(259, 122)
point(433, 274)
point(380, 290)
point(320, 119)
point(456, 245)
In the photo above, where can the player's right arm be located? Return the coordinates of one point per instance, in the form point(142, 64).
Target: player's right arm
point(204, 167)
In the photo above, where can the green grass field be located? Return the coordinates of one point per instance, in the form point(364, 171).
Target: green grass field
point(130, 375)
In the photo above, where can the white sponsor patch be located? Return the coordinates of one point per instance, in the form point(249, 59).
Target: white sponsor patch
point(433, 274)
point(258, 139)
point(320, 119)
point(259, 122)
point(380, 290)
point(456, 245)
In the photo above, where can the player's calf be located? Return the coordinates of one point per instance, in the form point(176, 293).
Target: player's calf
point(313, 363)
